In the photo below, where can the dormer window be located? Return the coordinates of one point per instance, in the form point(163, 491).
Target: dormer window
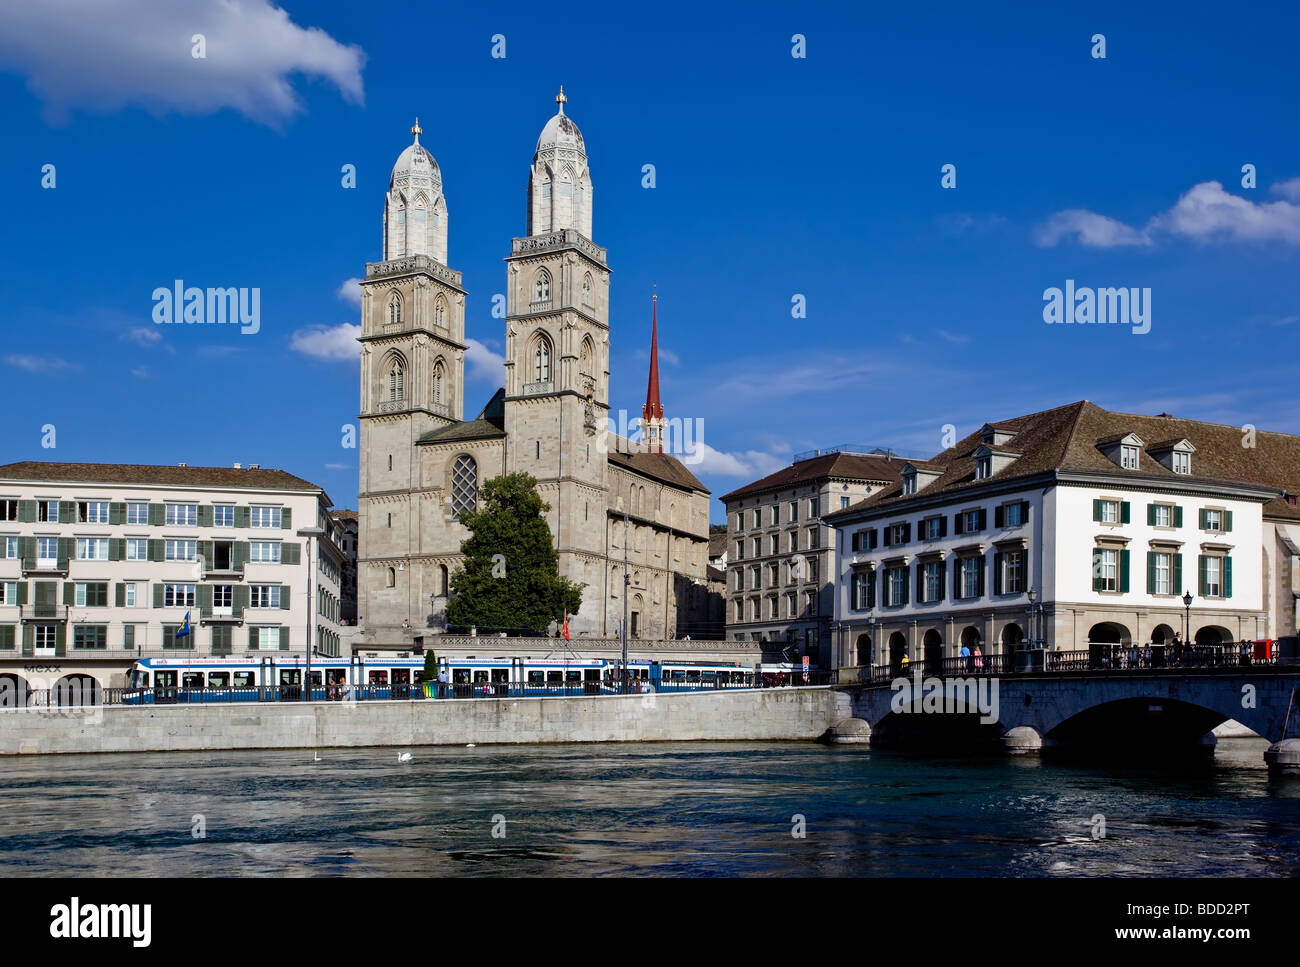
point(909, 483)
point(1182, 462)
point(984, 467)
point(1123, 451)
point(1175, 455)
point(1128, 457)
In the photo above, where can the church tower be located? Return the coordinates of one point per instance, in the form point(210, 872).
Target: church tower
point(652, 413)
point(412, 369)
point(557, 357)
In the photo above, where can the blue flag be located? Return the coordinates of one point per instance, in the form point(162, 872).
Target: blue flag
point(184, 629)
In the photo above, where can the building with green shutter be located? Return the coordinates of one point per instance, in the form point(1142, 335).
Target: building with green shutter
point(99, 564)
point(1074, 526)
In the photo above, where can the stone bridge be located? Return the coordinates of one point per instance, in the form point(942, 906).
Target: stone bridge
point(1107, 711)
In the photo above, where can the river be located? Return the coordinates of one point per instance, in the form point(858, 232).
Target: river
point(695, 809)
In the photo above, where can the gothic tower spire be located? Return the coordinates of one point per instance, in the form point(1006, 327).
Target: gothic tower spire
point(652, 413)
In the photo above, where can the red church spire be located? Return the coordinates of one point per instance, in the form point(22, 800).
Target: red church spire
point(652, 413)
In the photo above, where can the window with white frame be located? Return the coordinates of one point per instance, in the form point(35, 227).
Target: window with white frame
point(92, 548)
point(265, 638)
point(909, 484)
point(1108, 569)
point(1128, 457)
point(774, 515)
point(47, 511)
point(11, 548)
point(1182, 462)
point(1213, 520)
point(180, 550)
point(178, 595)
point(264, 552)
point(970, 577)
point(1013, 572)
point(137, 512)
point(1013, 514)
point(1109, 511)
point(8, 509)
point(264, 596)
point(47, 549)
point(128, 594)
point(933, 529)
point(895, 582)
point(844, 503)
point(933, 581)
point(184, 515)
point(92, 512)
point(1213, 576)
point(90, 594)
point(983, 467)
point(1161, 573)
point(1162, 516)
point(223, 515)
point(8, 592)
point(793, 509)
point(970, 521)
point(264, 517)
point(137, 549)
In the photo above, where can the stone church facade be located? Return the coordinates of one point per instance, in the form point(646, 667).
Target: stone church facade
point(422, 462)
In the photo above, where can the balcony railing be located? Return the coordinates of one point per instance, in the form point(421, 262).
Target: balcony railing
point(44, 565)
point(43, 612)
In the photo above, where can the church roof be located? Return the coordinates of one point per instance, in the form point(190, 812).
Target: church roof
point(659, 466)
point(490, 424)
point(560, 131)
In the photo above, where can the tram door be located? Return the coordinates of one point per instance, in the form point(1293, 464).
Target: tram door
point(290, 684)
point(164, 687)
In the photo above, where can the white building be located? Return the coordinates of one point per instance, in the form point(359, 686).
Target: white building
point(1074, 526)
point(100, 563)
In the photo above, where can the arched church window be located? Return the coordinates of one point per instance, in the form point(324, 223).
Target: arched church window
point(542, 360)
point(586, 289)
point(395, 310)
point(444, 582)
point(392, 577)
point(584, 364)
point(464, 483)
point(396, 377)
point(438, 374)
point(440, 313)
point(542, 287)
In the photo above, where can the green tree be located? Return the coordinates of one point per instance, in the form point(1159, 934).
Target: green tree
point(510, 577)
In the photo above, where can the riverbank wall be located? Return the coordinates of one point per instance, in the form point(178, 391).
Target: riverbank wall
point(794, 714)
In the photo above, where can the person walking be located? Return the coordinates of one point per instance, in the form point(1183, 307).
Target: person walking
point(964, 654)
point(442, 683)
point(979, 660)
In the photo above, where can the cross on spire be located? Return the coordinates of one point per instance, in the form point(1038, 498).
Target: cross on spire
point(560, 99)
point(417, 130)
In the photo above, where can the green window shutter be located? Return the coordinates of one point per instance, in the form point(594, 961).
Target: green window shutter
point(956, 579)
point(998, 516)
point(119, 595)
point(241, 516)
point(290, 553)
point(66, 546)
point(22, 592)
point(27, 550)
point(286, 519)
point(239, 601)
point(7, 637)
point(284, 597)
point(67, 512)
point(117, 549)
point(943, 579)
point(204, 597)
point(1096, 510)
point(69, 592)
point(1123, 511)
point(1200, 518)
point(157, 595)
point(1151, 515)
point(239, 555)
point(156, 549)
point(907, 575)
point(984, 519)
point(1200, 567)
point(1151, 567)
point(1123, 570)
point(1227, 521)
point(1227, 577)
point(1178, 515)
point(117, 513)
point(29, 640)
point(27, 511)
point(157, 515)
point(205, 552)
point(1175, 572)
point(60, 641)
point(957, 524)
point(1096, 569)
point(979, 581)
point(205, 515)
point(997, 572)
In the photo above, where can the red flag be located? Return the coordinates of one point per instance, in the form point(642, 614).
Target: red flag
point(566, 626)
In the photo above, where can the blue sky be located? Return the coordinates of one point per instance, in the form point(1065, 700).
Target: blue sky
point(775, 176)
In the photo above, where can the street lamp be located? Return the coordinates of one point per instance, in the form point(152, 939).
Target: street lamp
point(309, 533)
point(1187, 623)
point(1033, 596)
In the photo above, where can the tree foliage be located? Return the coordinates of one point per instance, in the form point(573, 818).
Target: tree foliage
point(510, 577)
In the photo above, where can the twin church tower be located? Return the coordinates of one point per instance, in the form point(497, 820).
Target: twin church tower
point(422, 460)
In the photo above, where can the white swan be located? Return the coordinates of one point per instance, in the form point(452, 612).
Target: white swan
point(403, 757)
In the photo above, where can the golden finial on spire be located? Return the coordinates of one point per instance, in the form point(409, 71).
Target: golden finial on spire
point(417, 130)
point(560, 99)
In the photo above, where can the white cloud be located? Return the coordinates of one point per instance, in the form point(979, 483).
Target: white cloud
point(1205, 213)
point(333, 343)
point(953, 338)
point(751, 464)
point(484, 363)
point(1091, 229)
point(39, 364)
point(337, 466)
point(350, 292)
point(140, 372)
point(142, 336)
point(103, 56)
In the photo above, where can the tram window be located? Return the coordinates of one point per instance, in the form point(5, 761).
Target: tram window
point(401, 676)
point(460, 676)
point(379, 677)
point(708, 676)
point(243, 679)
point(591, 675)
point(679, 675)
point(144, 680)
point(293, 677)
point(192, 680)
point(480, 675)
point(535, 678)
point(692, 674)
point(501, 674)
point(554, 678)
point(315, 679)
point(218, 679)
